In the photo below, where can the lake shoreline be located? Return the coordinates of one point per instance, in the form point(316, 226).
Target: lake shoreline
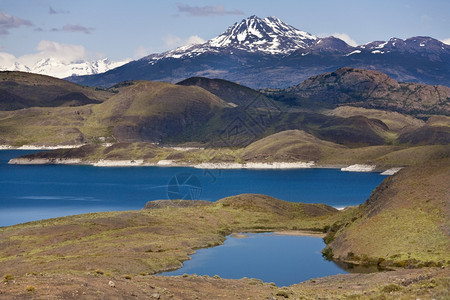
point(218, 165)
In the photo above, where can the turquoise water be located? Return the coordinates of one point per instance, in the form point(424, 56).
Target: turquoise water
point(30, 193)
point(283, 260)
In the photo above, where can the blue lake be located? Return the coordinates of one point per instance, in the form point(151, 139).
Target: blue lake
point(283, 260)
point(30, 192)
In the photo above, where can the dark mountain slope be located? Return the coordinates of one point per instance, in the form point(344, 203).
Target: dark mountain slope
point(20, 90)
point(229, 91)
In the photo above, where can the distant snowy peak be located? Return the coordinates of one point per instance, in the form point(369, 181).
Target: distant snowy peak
point(254, 35)
point(414, 44)
point(55, 68)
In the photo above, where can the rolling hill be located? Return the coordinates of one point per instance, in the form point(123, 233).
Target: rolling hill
point(217, 113)
point(155, 111)
point(21, 90)
point(404, 222)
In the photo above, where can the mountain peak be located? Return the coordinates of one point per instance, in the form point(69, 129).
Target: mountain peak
point(253, 35)
point(269, 35)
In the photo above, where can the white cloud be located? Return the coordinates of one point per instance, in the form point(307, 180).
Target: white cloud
point(142, 51)
point(346, 38)
point(64, 53)
point(6, 59)
point(446, 41)
point(194, 39)
point(173, 41)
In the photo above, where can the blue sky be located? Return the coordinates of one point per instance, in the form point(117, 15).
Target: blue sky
point(75, 30)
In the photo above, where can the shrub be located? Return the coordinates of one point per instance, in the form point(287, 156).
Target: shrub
point(282, 293)
point(8, 277)
point(391, 288)
point(30, 288)
point(328, 253)
point(127, 277)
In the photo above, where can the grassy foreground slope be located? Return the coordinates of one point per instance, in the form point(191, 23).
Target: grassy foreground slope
point(150, 240)
point(78, 256)
point(406, 220)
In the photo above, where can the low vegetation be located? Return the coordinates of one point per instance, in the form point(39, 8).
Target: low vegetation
point(150, 240)
point(113, 254)
point(403, 224)
point(211, 113)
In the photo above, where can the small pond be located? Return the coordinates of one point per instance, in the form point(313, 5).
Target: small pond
point(281, 259)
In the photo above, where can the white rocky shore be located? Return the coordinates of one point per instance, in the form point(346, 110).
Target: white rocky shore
point(39, 147)
point(118, 163)
point(359, 168)
point(45, 161)
point(391, 171)
point(172, 163)
point(274, 165)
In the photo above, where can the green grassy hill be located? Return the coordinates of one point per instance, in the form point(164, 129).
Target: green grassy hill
point(290, 145)
point(405, 221)
point(155, 111)
point(195, 112)
point(20, 90)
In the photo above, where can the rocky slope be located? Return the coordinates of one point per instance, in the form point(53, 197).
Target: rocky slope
point(369, 89)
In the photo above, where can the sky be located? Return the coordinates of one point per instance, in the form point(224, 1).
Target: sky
point(123, 30)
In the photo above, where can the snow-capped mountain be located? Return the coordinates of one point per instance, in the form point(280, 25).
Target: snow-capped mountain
point(266, 52)
point(56, 68)
point(414, 44)
point(253, 35)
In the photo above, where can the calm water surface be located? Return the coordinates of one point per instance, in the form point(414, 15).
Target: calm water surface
point(283, 260)
point(30, 193)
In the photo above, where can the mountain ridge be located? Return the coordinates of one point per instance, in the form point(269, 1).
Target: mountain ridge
point(56, 68)
point(266, 53)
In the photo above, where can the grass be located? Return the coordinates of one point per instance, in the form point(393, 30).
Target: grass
point(150, 241)
point(403, 223)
